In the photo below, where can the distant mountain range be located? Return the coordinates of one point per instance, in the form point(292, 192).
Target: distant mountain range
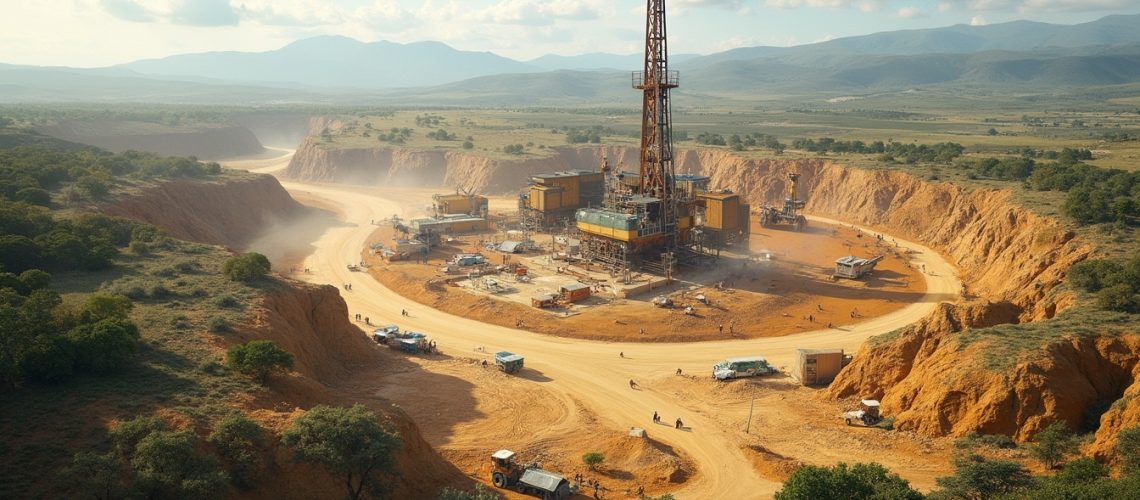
point(338, 69)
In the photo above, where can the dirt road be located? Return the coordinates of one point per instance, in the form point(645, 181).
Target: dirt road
point(585, 371)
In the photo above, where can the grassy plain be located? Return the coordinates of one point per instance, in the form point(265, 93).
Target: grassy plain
point(984, 124)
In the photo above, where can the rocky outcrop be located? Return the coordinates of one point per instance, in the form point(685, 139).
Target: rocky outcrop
point(231, 212)
point(1122, 413)
point(205, 142)
point(933, 384)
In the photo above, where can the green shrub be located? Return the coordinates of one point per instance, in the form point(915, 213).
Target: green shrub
point(187, 266)
point(593, 459)
point(246, 267)
point(887, 423)
point(259, 359)
point(210, 367)
point(860, 481)
point(227, 301)
point(974, 439)
point(139, 248)
point(238, 440)
point(1094, 274)
point(978, 477)
point(180, 322)
point(1122, 297)
point(1128, 449)
point(158, 291)
point(219, 324)
point(105, 346)
point(480, 493)
point(1053, 443)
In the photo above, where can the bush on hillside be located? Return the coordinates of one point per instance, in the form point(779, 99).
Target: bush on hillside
point(246, 267)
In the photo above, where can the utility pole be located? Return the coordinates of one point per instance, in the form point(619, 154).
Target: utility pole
point(748, 428)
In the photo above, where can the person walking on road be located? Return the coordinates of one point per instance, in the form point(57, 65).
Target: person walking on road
point(656, 417)
point(678, 425)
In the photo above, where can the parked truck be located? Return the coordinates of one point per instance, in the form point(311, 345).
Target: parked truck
point(868, 413)
point(742, 367)
point(528, 479)
point(509, 362)
point(853, 267)
point(382, 334)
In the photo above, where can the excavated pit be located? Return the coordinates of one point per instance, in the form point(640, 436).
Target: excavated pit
point(1010, 260)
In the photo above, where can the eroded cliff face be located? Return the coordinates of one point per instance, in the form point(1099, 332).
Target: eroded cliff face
point(934, 385)
point(230, 213)
point(333, 361)
point(404, 167)
point(1004, 253)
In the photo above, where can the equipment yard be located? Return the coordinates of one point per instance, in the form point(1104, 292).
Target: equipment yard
point(783, 287)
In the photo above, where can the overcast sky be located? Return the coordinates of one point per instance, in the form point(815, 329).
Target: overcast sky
point(90, 33)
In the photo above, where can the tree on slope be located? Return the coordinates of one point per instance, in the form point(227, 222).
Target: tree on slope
point(348, 442)
point(246, 267)
point(259, 359)
point(860, 481)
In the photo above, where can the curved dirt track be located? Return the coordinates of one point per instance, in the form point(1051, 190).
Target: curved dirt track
point(585, 371)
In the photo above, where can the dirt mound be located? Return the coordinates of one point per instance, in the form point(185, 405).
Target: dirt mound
point(232, 213)
point(202, 141)
point(311, 322)
point(772, 465)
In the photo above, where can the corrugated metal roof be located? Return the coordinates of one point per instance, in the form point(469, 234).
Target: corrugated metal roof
point(746, 359)
point(509, 246)
point(539, 478)
point(852, 260)
point(820, 351)
point(573, 287)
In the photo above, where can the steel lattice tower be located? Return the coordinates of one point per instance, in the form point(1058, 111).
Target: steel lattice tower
point(657, 171)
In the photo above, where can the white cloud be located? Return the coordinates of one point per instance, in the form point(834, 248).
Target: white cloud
point(911, 12)
point(127, 10)
point(1037, 6)
point(727, 4)
point(978, 21)
point(862, 5)
point(1073, 5)
point(205, 13)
